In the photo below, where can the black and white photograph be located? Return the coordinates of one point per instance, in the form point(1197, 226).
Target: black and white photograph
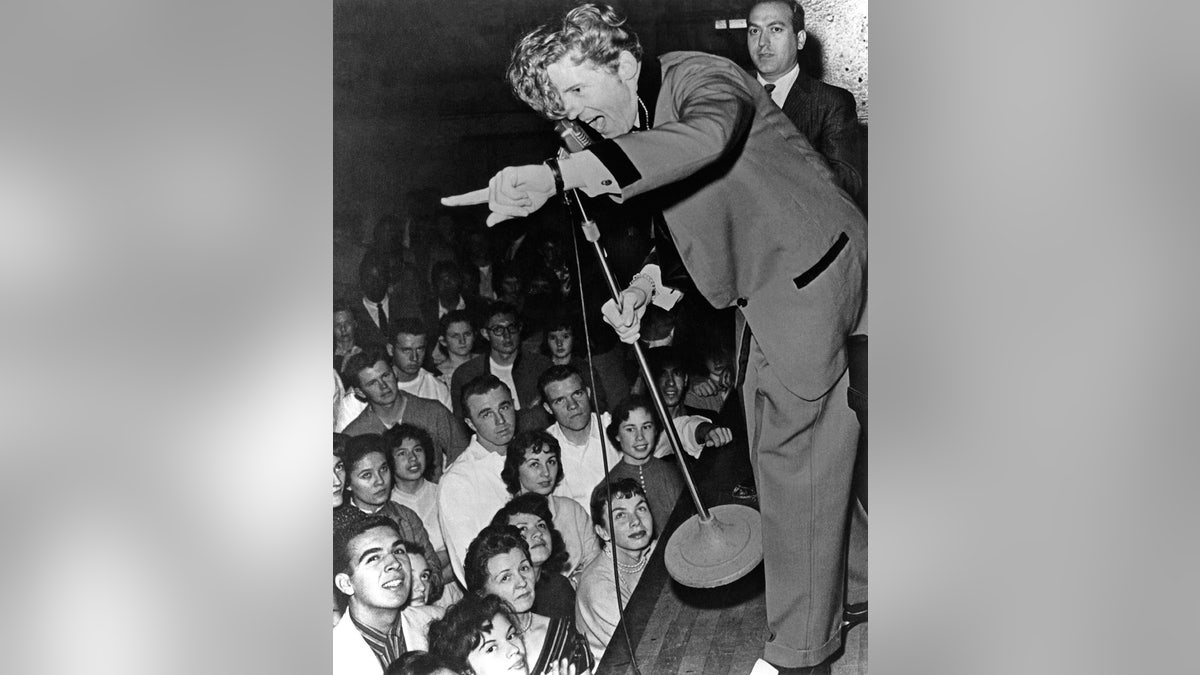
point(600, 337)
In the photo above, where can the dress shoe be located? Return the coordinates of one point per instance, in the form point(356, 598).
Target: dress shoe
point(762, 667)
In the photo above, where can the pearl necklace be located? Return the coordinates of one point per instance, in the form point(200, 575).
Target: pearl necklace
point(634, 568)
point(526, 625)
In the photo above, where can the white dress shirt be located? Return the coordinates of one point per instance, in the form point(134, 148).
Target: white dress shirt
point(582, 467)
point(469, 494)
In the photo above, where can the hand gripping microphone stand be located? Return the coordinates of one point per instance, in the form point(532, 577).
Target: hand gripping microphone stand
point(716, 546)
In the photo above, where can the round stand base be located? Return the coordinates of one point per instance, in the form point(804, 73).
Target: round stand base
point(720, 551)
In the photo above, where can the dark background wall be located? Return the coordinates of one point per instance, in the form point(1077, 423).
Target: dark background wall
point(420, 99)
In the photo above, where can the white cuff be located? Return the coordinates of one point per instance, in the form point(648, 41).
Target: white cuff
point(662, 296)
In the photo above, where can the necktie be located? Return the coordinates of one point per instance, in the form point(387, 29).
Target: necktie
point(383, 321)
point(769, 87)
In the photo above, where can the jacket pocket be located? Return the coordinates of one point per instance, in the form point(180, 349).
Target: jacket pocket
point(822, 264)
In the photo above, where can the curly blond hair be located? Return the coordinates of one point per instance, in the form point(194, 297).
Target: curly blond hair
point(590, 32)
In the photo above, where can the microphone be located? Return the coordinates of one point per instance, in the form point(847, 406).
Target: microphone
point(576, 134)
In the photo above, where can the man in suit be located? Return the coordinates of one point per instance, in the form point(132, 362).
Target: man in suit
point(822, 112)
point(760, 224)
point(382, 303)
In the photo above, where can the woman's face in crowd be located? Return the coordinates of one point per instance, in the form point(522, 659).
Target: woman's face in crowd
point(510, 577)
point(637, 434)
point(538, 472)
point(500, 652)
point(370, 480)
point(409, 458)
point(420, 580)
point(560, 342)
point(339, 480)
point(536, 533)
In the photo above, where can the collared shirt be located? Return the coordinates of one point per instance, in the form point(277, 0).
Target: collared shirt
point(469, 494)
point(783, 85)
point(442, 311)
point(582, 466)
point(387, 646)
point(373, 309)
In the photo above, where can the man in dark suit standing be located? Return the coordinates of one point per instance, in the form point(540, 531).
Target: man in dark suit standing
point(760, 225)
point(382, 302)
point(822, 112)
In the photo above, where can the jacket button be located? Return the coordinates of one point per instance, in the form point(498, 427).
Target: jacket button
point(741, 302)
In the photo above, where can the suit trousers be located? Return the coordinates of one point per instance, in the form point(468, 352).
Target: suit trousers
point(814, 542)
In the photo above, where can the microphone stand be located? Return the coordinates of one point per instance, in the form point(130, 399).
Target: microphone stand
point(706, 551)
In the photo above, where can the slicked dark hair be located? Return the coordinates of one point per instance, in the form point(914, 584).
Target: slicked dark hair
point(797, 11)
point(417, 662)
point(557, 374)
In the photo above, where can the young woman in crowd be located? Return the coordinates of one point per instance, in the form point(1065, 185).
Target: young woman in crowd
point(369, 470)
point(413, 458)
point(428, 587)
point(533, 464)
point(634, 430)
point(497, 563)
point(480, 636)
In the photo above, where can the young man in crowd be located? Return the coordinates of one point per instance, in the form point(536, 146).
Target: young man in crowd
point(387, 406)
point(578, 431)
point(371, 572)
point(505, 359)
point(408, 356)
point(471, 489)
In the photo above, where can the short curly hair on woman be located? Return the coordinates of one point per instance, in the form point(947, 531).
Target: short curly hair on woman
point(590, 32)
point(491, 541)
point(461, 630)
point(520, 448)
point(533, 504)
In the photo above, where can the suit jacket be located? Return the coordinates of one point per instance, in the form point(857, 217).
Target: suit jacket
point(825, 114)
point(528, 367)
point(754, 213)
point(400, 303)
point(353, 656)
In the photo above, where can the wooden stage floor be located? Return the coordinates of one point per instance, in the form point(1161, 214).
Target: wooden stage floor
point(676, 630)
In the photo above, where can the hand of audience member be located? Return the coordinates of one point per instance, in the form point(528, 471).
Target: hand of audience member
point(514, 192)
point(704, 388)
point(718, 436)
point(626, 320)
point(564, 667)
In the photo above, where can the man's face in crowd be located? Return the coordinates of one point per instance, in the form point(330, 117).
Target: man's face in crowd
point(603, 96)
point(633, 523)
point(769, 37)
point(343, 327)
point(448, 284)
point(377, 384)
point(374, 281)
point(503, 333)
point(569, 402)
point(672, 383)
point(492, 416)
point(380, 576)
point(408, 353)
point(371, 480)
point(459, 339)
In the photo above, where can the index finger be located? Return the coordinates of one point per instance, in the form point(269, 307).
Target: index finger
point(479, 196)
